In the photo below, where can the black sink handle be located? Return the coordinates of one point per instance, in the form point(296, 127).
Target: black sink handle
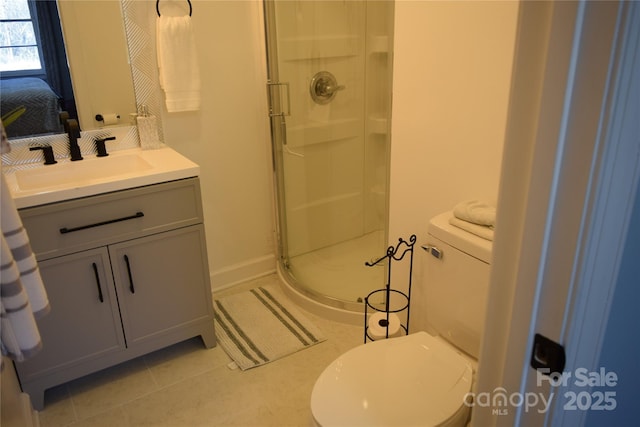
point(101, 146)
point(47, 151)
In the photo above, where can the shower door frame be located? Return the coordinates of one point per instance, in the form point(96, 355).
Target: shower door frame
point(277, 119)
point(279, 107)
point(277, 122)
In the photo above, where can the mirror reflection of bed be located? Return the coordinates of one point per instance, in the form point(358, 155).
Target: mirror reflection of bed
point(94, 54)
point(31, 107)
point(31, 99)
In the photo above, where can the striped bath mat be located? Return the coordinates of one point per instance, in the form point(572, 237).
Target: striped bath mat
point(260, 325)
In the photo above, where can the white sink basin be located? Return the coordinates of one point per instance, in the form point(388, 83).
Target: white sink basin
point(122, 169)
point(80, 172)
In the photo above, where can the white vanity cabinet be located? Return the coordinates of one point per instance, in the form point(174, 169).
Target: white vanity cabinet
point(126, 274)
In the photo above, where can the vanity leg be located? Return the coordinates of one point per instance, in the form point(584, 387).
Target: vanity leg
point(208, 338)
point(37, 398)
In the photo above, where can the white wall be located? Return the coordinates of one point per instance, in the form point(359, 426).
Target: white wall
point(451, 79)
point(229, 138)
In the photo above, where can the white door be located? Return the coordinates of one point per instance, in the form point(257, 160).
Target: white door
point(572, 141)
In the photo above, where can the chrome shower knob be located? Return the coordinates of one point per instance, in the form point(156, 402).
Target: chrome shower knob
point(323, 87)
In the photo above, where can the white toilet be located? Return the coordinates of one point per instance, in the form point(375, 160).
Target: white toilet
point(418, 379)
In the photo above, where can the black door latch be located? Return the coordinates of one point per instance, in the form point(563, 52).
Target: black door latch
point(547, 354)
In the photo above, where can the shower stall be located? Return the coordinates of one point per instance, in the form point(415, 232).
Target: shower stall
point(329, 65)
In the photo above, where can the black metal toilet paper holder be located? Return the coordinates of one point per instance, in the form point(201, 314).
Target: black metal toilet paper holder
point(394, 254)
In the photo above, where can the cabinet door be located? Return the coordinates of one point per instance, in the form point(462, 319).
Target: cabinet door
point(84, 321)
point(162, 282)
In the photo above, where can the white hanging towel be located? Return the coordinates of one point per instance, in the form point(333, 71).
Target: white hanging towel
point(178, 63)
point(23, 296)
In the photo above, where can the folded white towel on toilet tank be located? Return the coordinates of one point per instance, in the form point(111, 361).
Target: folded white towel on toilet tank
point(479, 230)
point(476, 212)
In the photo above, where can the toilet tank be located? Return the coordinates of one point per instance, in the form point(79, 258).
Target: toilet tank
point(456, 283)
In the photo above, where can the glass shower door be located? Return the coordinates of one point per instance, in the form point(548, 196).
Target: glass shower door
point(329, 71)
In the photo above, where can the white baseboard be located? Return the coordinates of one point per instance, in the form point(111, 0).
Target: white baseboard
point(232, 275)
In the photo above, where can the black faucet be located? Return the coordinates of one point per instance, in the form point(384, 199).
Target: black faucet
point(47, 150)
point(73, 131)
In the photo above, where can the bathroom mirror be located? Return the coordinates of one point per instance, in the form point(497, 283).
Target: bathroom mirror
point(98, 60)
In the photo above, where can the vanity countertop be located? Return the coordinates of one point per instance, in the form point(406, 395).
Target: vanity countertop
point(35, 185)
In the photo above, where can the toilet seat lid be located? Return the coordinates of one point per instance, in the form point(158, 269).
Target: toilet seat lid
point(411, 380)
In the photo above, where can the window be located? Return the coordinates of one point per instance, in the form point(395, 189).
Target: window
point(19, 41)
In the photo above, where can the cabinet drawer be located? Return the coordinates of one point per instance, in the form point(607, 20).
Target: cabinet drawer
point(70, 226)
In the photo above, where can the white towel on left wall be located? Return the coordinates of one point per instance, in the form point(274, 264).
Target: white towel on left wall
point(23, 294)
point(178, 63)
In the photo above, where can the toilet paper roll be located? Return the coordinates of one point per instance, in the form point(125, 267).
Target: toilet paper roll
point(110, 119)
point(378, 325)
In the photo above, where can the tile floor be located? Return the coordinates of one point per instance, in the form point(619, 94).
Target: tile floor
point(188, 386)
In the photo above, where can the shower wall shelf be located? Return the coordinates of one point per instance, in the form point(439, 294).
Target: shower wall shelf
point(300, 48)
point(394, 254)
point(318, 133)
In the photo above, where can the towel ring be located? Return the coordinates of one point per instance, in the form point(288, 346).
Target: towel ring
point(158, 7)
